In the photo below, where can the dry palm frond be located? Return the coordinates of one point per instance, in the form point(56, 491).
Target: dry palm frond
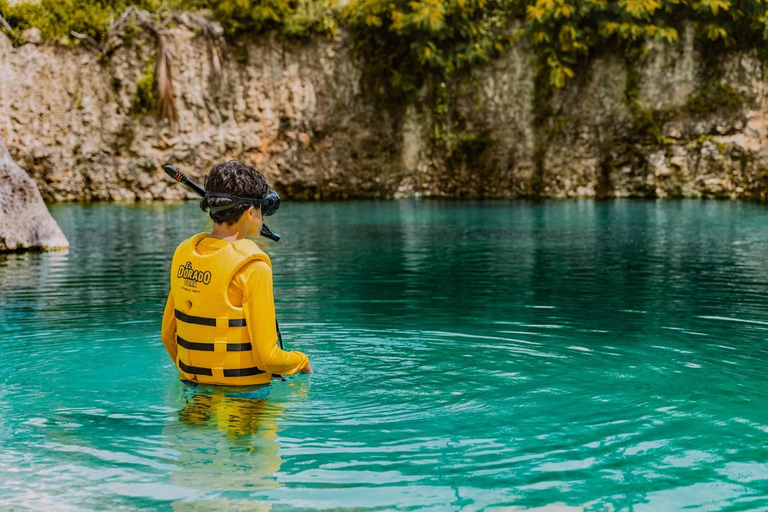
point(133, 17)
point(85, 37)
point(163, 79)
point(5, 25)
point(214, 37)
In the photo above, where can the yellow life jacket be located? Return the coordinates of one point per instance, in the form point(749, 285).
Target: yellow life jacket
point(214, 346)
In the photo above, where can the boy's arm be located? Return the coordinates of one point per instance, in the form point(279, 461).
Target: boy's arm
point(168, 330)
point(259, 309)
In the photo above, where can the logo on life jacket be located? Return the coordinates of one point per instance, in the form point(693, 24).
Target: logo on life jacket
point(191, 276)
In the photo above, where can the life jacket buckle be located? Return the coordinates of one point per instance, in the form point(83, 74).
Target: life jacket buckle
point(222, 322)
point(220, 345)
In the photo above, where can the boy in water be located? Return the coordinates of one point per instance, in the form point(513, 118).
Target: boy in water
point(219, 324)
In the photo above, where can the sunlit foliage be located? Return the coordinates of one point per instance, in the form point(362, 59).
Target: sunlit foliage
point(445, 35)
point(57, 19)
point(297, 18)
point(407, 41)
point(564, 30)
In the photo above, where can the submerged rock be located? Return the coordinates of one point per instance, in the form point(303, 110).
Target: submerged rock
point(25, 223)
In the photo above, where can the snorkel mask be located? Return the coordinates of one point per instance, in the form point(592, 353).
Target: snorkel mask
point(269, 203)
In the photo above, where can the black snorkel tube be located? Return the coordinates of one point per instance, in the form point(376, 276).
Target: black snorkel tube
point(269, 204)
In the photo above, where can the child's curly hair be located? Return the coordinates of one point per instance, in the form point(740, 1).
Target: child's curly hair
point(237, 179)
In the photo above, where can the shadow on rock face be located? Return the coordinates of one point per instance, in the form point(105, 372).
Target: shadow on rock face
point(25, 223)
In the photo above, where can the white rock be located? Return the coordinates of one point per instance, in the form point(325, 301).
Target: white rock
point(25, 223)
point(32, 36)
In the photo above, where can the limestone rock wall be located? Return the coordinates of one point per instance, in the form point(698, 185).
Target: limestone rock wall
point(624, 129)
point(301, 113)
point(294, 110)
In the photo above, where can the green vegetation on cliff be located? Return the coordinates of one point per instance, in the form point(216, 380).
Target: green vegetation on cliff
point(419, 45)
point(57, 19)
point(405, 41)
point(144, 100)
point(409, 37)
point(296, 18)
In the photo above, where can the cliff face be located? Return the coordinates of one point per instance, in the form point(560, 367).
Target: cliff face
point(665, 125)
point(672, 123)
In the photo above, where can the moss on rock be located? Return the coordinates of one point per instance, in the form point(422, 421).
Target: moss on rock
point(145, 99)
point(714, 97)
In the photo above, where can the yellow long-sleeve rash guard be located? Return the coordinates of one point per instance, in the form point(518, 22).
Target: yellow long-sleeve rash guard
point(251, 287)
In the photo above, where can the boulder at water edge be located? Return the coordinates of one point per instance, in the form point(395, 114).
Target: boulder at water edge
point(25, 223)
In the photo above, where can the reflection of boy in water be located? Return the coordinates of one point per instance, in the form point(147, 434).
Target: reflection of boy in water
point(226, 445)
point(209, 340)
point(237, 416)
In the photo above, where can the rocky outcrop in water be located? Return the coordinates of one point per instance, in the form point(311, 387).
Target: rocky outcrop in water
point(669, 124)
point(25, 223)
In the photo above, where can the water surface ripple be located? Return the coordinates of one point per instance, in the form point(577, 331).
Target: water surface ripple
point(581, 355)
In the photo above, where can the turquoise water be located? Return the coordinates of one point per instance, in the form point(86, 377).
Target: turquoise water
point(597, 355)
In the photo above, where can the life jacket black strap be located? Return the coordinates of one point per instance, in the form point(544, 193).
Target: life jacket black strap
point(195, 370)
point(239, 372)
point(210, 322)
point(242, 372)
point(210, 347)
point(239, 347)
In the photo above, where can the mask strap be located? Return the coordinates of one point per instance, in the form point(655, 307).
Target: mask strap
point(236, 201)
